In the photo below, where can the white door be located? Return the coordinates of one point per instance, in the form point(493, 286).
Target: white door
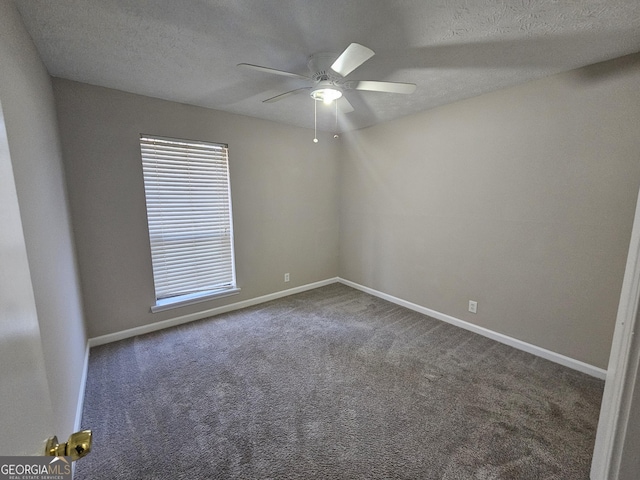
point(25, 404)
point(615, 455)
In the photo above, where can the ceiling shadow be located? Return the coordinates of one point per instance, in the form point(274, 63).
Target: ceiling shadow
point(548, 51)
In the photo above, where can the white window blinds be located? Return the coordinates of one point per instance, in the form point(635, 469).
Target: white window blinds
point(189, 214)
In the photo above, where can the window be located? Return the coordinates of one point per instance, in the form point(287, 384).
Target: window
point(188, 200)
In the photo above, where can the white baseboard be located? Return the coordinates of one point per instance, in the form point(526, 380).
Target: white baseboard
point(499, 337)
point(132, 332)
point(83, 385)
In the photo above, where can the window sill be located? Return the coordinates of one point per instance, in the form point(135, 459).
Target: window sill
point(185, 300)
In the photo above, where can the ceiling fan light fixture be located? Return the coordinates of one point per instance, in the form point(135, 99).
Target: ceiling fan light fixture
point(326, 94)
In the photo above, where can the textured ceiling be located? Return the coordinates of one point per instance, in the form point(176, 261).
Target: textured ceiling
point(187, 50)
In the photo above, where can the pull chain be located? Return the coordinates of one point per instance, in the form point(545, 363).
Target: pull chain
point(315, 121)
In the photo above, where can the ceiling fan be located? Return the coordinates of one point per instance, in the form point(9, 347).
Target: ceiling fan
point(328, 74)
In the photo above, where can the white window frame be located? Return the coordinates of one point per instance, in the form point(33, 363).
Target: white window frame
point(184, 180)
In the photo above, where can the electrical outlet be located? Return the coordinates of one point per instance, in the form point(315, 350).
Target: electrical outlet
point(286, 277)
point(473, 306)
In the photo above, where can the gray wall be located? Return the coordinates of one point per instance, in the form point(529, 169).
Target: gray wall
point(29, 113)
point(522, 200)
point(284, 193)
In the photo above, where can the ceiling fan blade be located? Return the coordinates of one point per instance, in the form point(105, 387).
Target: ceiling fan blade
point(273, 71)
point(354, 56)
point(344, 105)
point(285, 95)
point(387, 87)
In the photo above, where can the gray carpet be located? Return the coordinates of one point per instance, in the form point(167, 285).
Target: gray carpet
point(333, 384)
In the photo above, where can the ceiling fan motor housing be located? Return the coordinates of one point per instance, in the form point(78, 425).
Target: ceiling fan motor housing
point(320, 66)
